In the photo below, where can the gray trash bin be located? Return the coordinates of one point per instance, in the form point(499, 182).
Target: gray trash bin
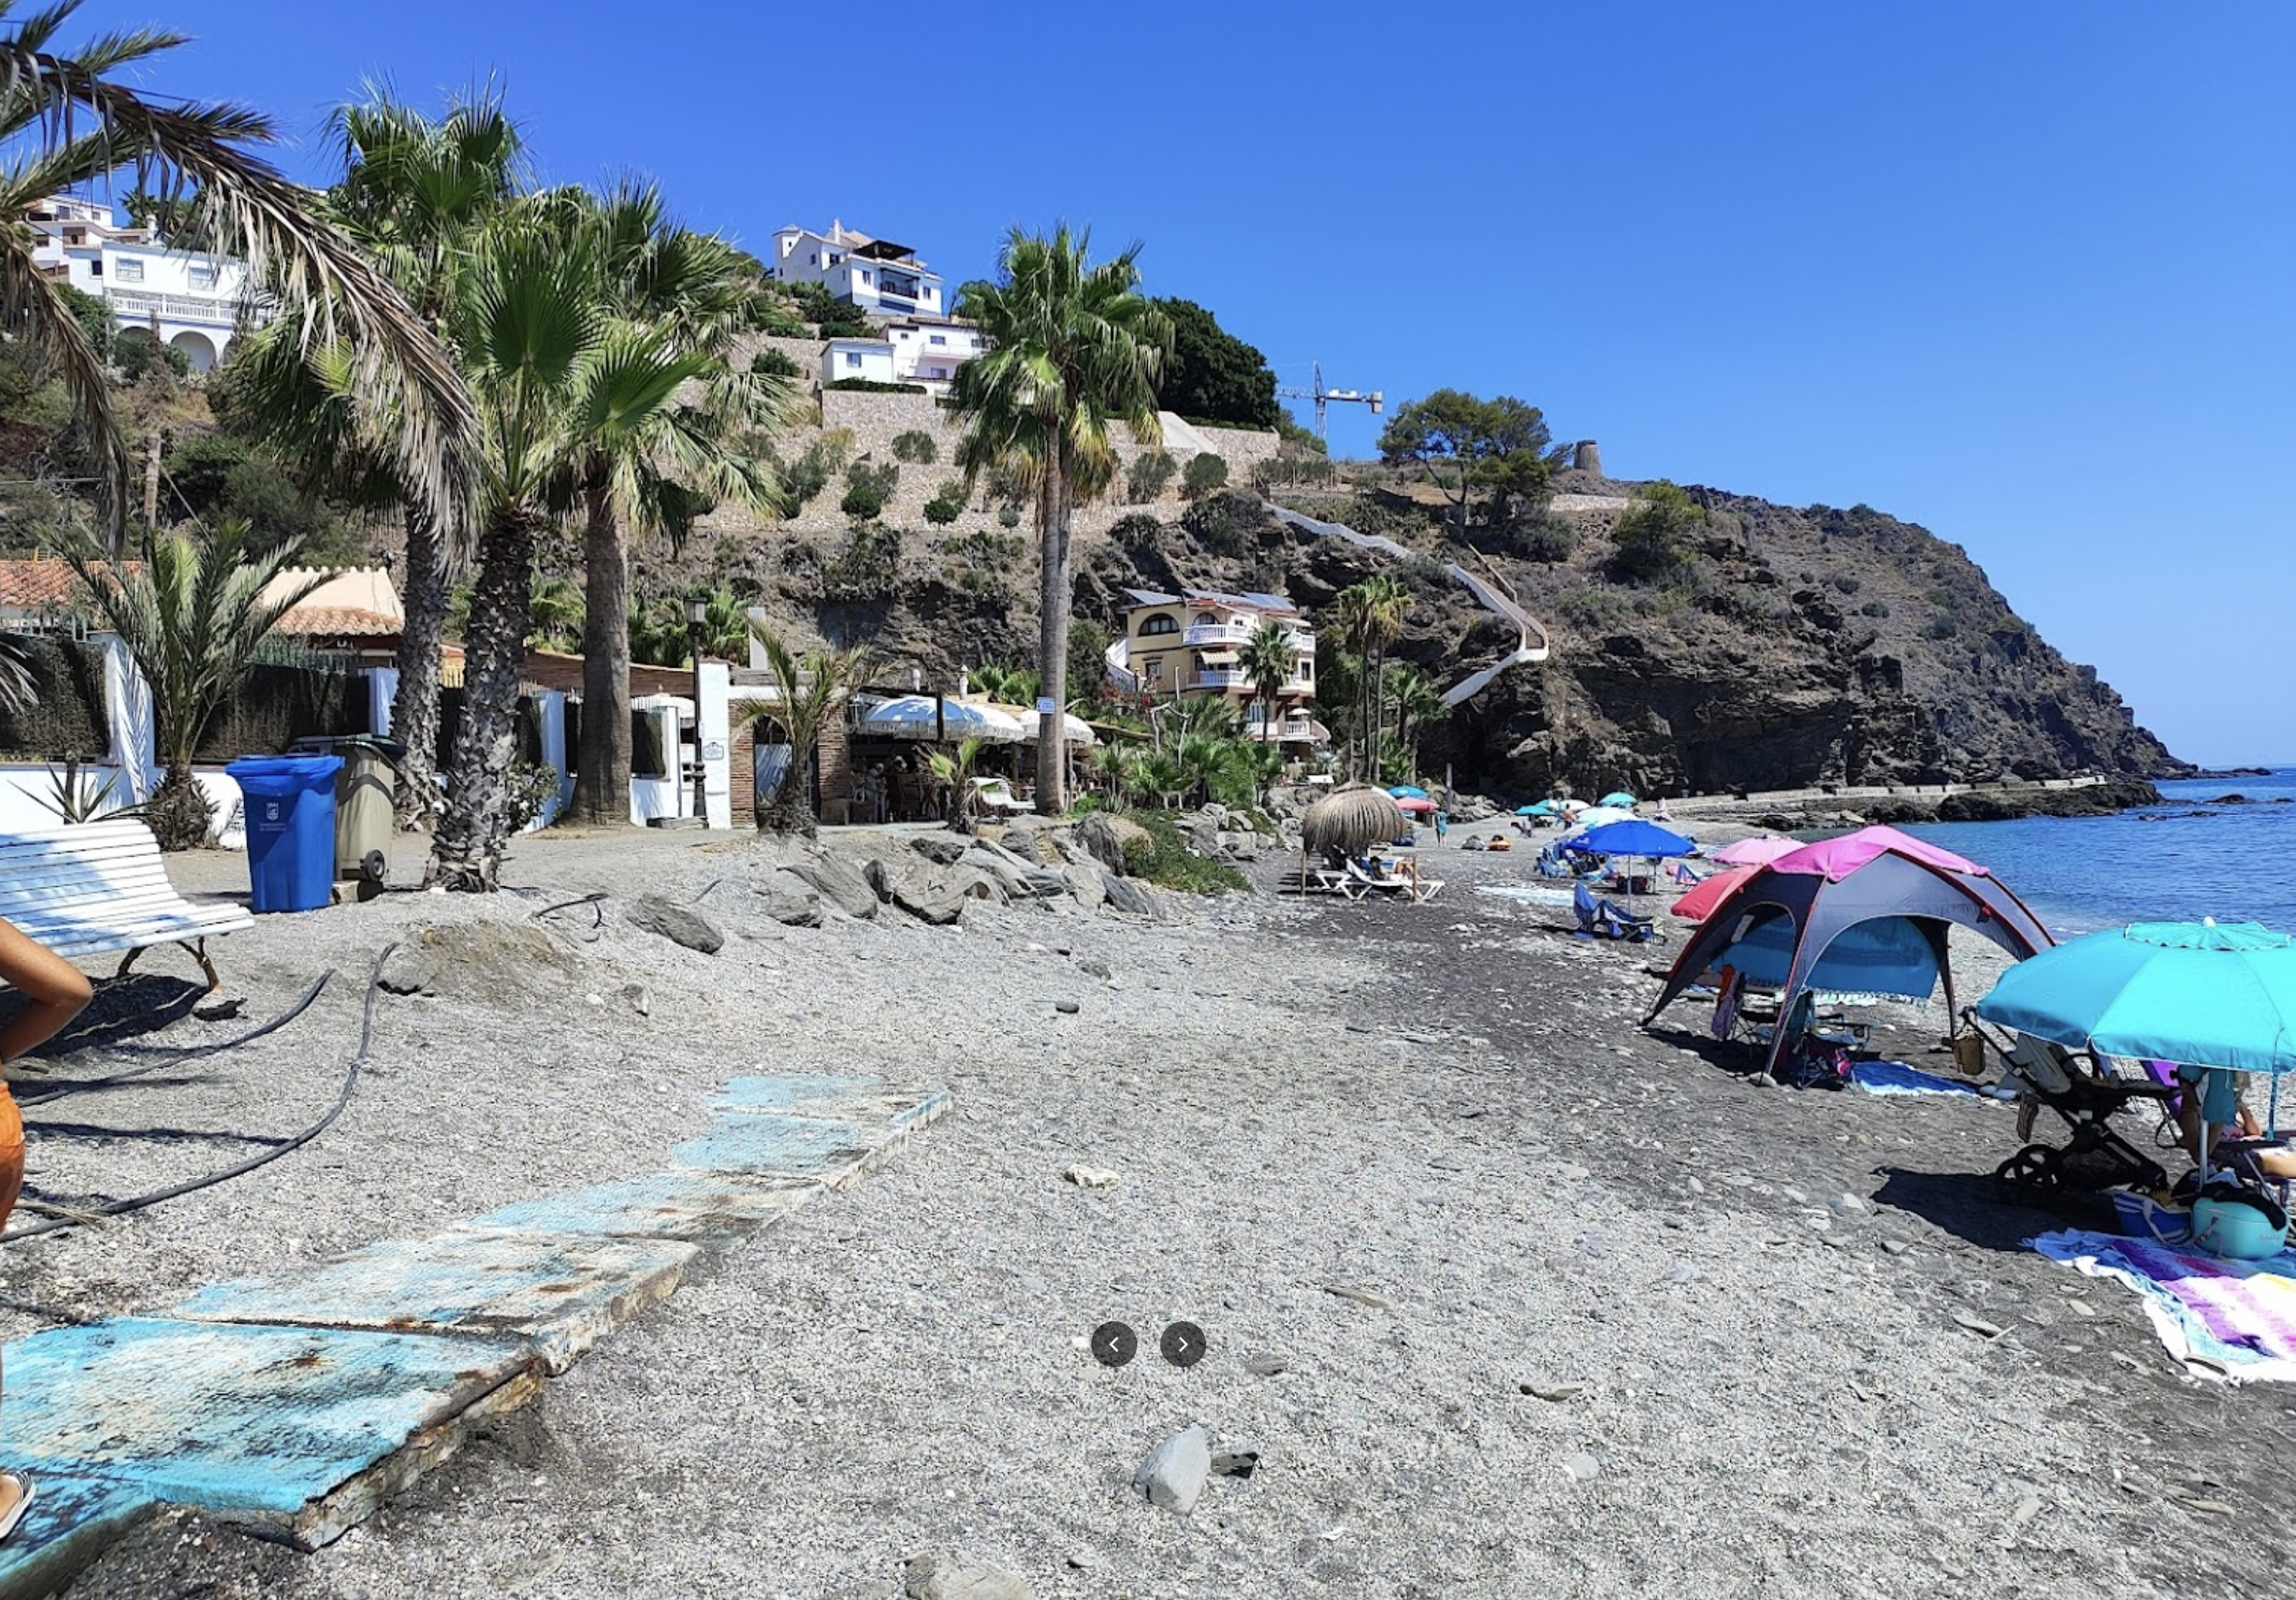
point(364, 816)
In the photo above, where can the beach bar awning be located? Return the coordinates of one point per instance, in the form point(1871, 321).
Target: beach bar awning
point(920, 716)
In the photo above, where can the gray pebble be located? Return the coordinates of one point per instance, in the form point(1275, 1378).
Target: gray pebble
point(1582, 1467)
point(1067, 1008)
point(1174, 1473)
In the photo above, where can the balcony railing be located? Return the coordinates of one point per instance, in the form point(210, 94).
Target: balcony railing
point(174, 307)
point(1220, 677)
point(1219, 632)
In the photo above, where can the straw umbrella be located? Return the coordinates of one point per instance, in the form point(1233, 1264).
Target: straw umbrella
point(1351, 817)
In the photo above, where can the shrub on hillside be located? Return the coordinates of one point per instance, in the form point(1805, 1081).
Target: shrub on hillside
point(1148, 475)
point(1010, 517)
point(1875, 608)
point(1164, 859)
point(775, 364)
point(871, 386)
point(1654, 538)
point(946, 505)
point(862, 501)
point(1227, 524)
point(1137, 530)
point(1207, 473)
point(915, 446)
point(882, 477)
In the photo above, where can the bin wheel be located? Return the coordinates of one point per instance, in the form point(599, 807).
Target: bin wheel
point(374, 869)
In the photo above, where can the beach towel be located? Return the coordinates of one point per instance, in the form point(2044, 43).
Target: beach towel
point(1896, 1077)
point(2234, 1321)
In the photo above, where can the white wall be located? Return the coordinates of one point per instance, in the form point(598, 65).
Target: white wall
point(876, 362)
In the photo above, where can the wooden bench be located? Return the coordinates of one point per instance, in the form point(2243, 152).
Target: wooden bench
point(102, 887)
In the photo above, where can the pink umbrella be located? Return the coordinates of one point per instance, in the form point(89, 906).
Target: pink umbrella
point(1415, 802)
point(1758, 851)
point(1836, 859)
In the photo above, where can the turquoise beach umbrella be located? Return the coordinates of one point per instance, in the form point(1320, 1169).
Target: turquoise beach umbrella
point(2195, 993)
point(1408, 792)
point(1542, 808)
point(1619, 797)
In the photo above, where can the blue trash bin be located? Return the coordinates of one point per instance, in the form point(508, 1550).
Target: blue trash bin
point(289, 811)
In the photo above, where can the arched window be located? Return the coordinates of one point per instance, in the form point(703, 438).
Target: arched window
point(1205, 620)
point(1163, 622)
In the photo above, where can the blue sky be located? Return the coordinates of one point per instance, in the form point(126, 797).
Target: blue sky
point(2021, 272)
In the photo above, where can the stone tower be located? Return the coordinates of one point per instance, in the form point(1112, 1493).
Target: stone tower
point(1587, 456)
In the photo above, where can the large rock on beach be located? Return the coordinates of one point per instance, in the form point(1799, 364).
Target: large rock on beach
point(1089, 885)
point(1128, 894)
point(791, 901)
point(948, 1578)
point(934, 898)
point(942, 849)
point(837, 881)
point(1105, 837)
point(680, 924)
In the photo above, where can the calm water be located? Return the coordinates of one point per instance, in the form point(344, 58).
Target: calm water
point(2080, 872)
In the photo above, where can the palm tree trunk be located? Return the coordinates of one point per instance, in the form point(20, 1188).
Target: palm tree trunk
point(468, 852)
point(601, 775)
point(1052, 640)
point(415, 708)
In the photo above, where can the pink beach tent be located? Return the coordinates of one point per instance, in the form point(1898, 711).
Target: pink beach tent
point(1835, 859)
point(1699, 904)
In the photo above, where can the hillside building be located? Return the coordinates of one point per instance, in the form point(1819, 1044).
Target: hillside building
point(923, 350)
point(881, 278)
point(186, 299)
point(1192, 644)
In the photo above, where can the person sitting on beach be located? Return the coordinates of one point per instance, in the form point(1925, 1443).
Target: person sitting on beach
point(54, 992)
point(2236, 1139)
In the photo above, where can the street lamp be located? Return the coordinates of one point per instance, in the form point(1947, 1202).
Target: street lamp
point(697, 614)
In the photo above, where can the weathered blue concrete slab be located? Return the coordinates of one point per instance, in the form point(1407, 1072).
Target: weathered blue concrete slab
point(75, 1517)
point(865, 1100)
point(270, 1424)
point(701, 1208)
point(828, 1152)
point(558, 1292)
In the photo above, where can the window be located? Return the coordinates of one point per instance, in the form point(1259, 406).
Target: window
point(204, 277)
point(813, 260)
point(1152, 670)
point(130, 272)
point(935, 339)
point(1163, 622)
point(867, 276)
point(1205, 620)
point(852, 357)
point(95, 268)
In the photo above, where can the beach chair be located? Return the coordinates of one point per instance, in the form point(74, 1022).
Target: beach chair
point(1600, 919)
point(1362, 885)
point(2085, 1097)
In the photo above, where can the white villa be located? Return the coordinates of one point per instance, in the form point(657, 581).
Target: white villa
point(922, 351)
point(182, 298)
point(879, 277)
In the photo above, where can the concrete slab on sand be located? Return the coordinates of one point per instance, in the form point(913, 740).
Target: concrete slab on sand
point(866, 1099)
point(558, 1294)
point(832, 1151)
point(75, 1516)
point(701, 1208)
point(298, 1432)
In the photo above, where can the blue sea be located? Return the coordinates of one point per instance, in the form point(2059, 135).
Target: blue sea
point(2236, 863)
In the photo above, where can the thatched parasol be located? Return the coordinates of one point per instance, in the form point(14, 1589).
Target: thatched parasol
point(1351, 819)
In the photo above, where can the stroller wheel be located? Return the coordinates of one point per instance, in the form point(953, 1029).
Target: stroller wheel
point(2032, 1174)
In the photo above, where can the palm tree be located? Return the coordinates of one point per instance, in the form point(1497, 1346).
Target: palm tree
point(1270, 661)
point(415, 191)
point(555, 606)
point(954, 767)
point(807, 691)
point(1073, 350)
point(557, 377)
point(1417, 703)
point(1010, 685)
point(192, 616)
point(700, 296)
point(70, 126)
point(1371, 617)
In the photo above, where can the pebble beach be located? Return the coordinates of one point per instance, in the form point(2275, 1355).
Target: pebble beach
point(1502, 1293)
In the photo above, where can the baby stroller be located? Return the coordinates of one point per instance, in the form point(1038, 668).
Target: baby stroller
point(2084, 1095)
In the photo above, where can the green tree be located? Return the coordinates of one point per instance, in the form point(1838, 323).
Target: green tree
point(192, 615)
point(1088, 642)
point(1371, 615)
point(954, 768)
point(1655, 537)
point(75, 125)
point(1213, 376)
point(688, 293)
point(1418, 705)
point(1497, 448)
point(1270, 659)
point(1073, 351)
point(808, 690)
point(1206, 474)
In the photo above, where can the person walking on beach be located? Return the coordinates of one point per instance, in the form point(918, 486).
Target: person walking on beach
point(1442, 825)
point(54, 992)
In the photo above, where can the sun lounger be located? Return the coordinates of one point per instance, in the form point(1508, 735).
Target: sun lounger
point(1600, 919)
point(1362, 885)
point(100, 888)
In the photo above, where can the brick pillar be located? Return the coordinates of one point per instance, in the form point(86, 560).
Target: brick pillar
point(836, 765)
point(741, 774)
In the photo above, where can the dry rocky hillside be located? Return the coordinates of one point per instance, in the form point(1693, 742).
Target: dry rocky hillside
point(1801, 646)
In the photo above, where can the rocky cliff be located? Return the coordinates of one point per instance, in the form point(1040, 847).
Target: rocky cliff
point(1799, 647)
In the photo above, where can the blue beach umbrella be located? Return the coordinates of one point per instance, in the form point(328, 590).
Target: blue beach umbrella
point(1541, 809)
point(1619, 797)
point(1633, 837)
point(1408, 792)
point(2195, 993)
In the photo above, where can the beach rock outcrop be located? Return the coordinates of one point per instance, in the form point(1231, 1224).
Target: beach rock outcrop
point(948, 1578)
point(931, 897)
point(789, 900)
point(837, 881)
point(1106, 836)
point(680, 924)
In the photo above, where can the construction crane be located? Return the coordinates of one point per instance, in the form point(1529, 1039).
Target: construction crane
point(1376, 400)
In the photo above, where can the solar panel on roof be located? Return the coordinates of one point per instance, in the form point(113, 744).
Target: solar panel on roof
point(1274, 603)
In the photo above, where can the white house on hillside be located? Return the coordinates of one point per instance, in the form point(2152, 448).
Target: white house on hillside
point(875, 274)
point(182, 297)
point(923, 350)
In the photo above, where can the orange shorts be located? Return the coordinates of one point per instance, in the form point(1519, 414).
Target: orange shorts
point(12, 1154)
